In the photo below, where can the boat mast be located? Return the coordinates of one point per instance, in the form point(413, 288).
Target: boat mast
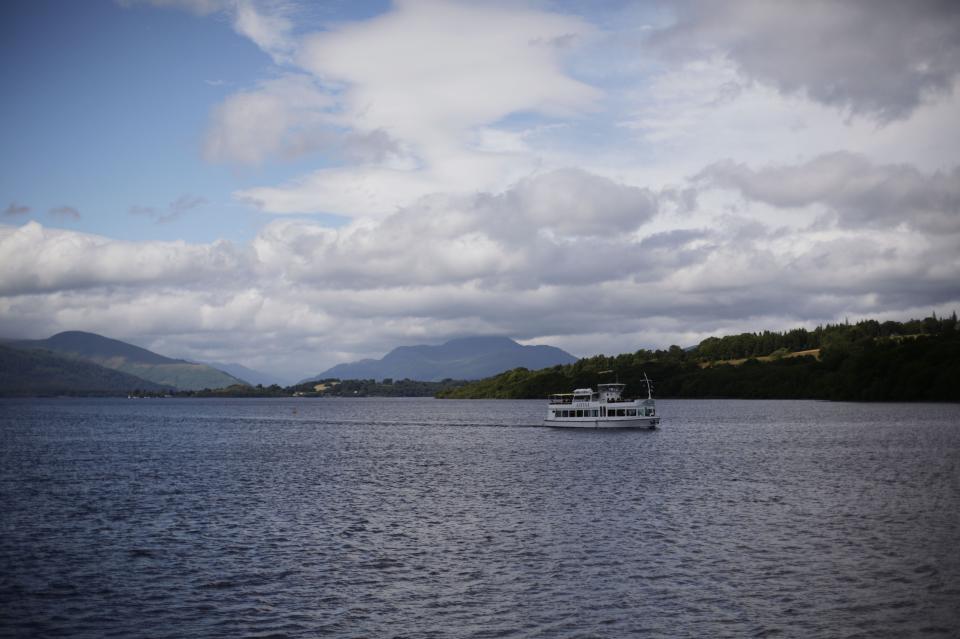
point(649, 388)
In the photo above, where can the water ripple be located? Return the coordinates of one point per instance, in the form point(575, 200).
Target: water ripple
point(420, 518)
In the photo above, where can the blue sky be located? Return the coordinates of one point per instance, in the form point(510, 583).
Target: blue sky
point(106, 110)
point(294, 184)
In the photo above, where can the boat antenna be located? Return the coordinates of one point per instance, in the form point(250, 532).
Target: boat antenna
point(608, 373)
point(649, 386)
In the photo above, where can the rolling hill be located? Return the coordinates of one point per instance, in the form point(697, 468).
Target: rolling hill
point(33, 372)
point(130, 359)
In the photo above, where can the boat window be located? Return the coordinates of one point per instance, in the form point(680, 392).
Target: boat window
point(596, 412)
point(631, 412)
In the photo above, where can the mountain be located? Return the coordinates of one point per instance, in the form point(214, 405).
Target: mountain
point(249, 375)
point(132, 360)
point(465, 358)
point(29, 372)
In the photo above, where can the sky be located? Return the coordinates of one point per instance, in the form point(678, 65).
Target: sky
point(289, 184)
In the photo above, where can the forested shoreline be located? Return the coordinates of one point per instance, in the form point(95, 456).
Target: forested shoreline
point(917, 360)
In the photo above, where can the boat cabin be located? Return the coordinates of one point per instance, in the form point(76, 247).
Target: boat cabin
point(610, 392)
point(605, 393)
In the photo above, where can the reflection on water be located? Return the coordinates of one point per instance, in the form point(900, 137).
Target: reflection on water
point(387, 518)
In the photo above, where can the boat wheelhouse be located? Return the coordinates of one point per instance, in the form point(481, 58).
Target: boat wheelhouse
point(604, 408)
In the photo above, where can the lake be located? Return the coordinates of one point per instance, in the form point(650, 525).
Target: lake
point(430, 518)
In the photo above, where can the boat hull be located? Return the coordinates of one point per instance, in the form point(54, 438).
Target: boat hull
point(647, 423)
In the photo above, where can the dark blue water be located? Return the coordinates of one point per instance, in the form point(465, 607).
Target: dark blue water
point(425, 518)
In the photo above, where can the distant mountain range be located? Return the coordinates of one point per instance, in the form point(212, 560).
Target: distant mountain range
point(465, 358)
point(91, 349)
point(76, 362)
point(249, 375)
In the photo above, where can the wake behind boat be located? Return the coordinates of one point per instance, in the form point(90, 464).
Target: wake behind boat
point(604, 408)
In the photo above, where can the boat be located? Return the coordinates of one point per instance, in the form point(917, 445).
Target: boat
point(605, 407)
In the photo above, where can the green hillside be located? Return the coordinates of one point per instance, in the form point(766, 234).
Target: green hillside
point(856, 363)
point(133, 360)
point(184, 376)
point(43, 373)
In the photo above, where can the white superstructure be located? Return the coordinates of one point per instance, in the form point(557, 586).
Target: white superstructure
point(604, 408)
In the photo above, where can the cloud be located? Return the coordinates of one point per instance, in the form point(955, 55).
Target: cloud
point(519, 237)
point(364, 191)
point(267, 23)
point(185, 203)
point(576, 203)
point(269, 31)
point(566, 257)
point(173, 211)
point(398, 103)
point(879, 60)
point(65, 213)
point(38, 259)
point(445, 66)
point(861, 193)
point(15, 209)
point(286, 118)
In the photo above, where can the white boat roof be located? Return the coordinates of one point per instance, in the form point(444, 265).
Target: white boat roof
point(582, 391)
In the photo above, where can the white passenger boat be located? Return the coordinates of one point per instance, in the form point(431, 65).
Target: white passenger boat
point(604, 408)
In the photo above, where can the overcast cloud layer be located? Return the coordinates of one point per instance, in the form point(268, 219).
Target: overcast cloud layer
point(600, 182)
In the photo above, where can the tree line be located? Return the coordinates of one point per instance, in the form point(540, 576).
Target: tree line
point(800, 339)
point(866, 361)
